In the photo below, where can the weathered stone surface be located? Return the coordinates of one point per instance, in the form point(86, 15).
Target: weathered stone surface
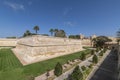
point(86, 42)
point(8, 42)
point(38, 48)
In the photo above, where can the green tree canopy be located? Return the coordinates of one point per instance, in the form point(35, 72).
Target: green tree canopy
point(51, 31)
point(74, 36)
point(59, 33)
point(100, 41)
point(27, 33)
point(36, 28)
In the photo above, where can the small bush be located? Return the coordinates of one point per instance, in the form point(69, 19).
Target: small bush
point(83, 68)
point(90, 66)
point(76, 74)
point(83, 56)
point(48, 73)
point(101, 53)
point(104, 50)
point(97, 49)
point(92, 52)
point(58, 69)
point(95, 59)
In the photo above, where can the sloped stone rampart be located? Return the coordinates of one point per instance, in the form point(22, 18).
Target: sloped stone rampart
point(38, 48)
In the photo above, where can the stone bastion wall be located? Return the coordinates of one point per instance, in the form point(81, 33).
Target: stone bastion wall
point(38, 48)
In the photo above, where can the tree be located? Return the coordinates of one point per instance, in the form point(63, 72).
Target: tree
point(36, 28)
point(95, 59)
point(83, 56)
point(100, 41)
point(74, 36)
point(55, 31)
point(71, 36)
point(27, 33)
point(58, 69)
point(51, 31)
point(76, 74)
point(59, 33)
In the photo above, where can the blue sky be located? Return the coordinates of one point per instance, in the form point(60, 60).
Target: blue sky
point(88, 17)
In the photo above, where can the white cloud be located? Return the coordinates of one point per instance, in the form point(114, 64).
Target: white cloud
point(69, 23)
point(15, 6)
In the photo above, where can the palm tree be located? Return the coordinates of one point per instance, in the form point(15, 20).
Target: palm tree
point(51, 31)
point(55, 31)
point(36, 28)
point(118, 36)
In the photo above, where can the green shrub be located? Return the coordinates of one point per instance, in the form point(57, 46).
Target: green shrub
point(95, 59)
point(101, 53)
point(90, 66)
point(83, 56)
point(92, 52)
point(76, 74)
point(97, 49)
point(58, 69)
point(83, 68)
point(104, 50)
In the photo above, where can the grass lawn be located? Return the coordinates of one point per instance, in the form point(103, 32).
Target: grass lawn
point(12, 69)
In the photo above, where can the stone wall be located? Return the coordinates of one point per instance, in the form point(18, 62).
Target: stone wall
point(8, 42)
point(38, 48)
point(86, 42)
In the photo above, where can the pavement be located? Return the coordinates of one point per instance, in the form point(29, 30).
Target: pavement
point(108, 69)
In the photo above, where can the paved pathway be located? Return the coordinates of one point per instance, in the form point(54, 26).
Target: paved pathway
point(108, 69)
point(97, 65)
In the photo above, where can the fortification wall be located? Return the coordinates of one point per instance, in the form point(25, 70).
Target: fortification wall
point(8, 42)
point(86, 42)
point(38, 48)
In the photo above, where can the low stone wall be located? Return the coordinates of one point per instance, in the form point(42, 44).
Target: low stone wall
point(8, 42)
point(38, 48)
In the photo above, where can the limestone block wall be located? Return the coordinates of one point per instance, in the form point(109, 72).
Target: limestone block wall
point(8, 42)
point(86, 42)
point(38, 48)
